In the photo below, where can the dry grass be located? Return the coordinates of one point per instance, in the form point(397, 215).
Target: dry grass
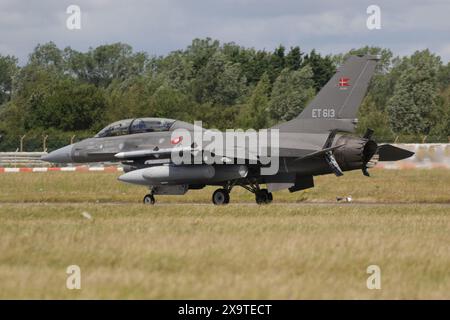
point(240, 251)
point(384, 186)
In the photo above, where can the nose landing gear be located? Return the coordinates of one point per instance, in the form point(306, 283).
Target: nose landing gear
point(149, 199)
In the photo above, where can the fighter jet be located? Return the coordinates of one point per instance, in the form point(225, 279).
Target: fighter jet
point(320, 140)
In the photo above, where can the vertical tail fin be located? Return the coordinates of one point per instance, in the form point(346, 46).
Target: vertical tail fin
point(336, 105)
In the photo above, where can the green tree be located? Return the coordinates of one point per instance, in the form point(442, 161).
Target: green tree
point(444, 76)
point(167, 102)
point(322, 68)
point(441, 117)
point(372, 117)
point(200, 51)
point(253, 64)
point(66, 105)
point(8, 69)
point(294, 58)
point(48, 55)
point(291, 92)
point(255, 112)
point(175, 69)
point(276, 63)
point(220, 82)
point(102, 65)
point(129, 100)
point(415, 95)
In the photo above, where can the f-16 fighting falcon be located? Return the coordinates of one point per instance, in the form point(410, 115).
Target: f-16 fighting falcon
point(166, 156)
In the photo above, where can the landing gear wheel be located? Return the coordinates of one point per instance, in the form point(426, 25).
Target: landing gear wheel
point(149, 199)
point(263, 196)
point(270, 197)
point(221, 197)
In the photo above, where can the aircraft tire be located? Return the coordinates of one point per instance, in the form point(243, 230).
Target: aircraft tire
point(149, 199)
point(221, 197)
point(263, 196)
point(270, 197)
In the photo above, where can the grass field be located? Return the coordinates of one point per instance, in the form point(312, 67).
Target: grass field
point(407, 186)
point(295, 248)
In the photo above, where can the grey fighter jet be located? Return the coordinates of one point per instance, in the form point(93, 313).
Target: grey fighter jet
point(318, 141)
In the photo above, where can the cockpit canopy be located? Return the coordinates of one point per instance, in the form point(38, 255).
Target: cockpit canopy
point(139, 125)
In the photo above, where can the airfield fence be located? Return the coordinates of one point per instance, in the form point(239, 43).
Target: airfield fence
point(22, 159)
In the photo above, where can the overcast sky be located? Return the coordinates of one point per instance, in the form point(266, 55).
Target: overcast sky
point(159, 27)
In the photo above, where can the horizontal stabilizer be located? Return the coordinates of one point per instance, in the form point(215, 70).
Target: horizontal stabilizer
point(388, 152)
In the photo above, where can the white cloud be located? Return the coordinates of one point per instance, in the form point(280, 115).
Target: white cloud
point(161, 26)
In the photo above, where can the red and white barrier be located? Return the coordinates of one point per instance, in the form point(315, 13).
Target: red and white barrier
point(63, 169)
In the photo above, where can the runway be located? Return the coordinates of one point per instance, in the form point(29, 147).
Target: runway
point(236, 204)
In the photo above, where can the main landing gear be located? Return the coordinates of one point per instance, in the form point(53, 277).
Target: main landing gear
point(263, 196)
point(222, 196)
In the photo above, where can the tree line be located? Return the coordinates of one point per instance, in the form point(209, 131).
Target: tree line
point(65, 92)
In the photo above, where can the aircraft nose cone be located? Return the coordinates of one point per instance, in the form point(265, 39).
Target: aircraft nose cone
point(63, 155)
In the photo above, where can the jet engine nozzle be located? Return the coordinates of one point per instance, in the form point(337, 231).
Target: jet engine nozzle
point(356, 153)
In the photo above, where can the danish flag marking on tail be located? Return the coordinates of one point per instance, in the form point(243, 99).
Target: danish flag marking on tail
point(343, 83)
